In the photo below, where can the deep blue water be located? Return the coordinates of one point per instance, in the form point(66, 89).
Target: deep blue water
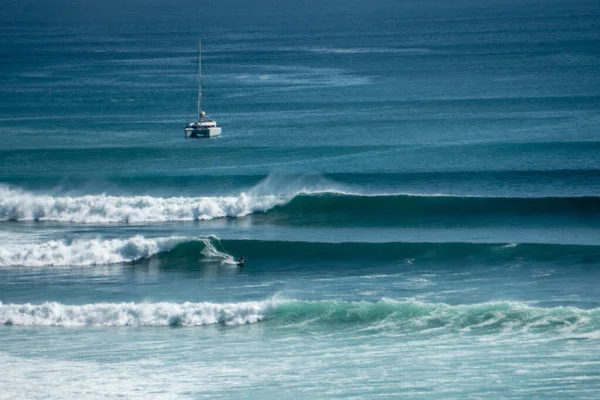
point(416, 187)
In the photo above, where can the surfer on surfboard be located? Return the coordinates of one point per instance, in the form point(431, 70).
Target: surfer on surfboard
point(241, 261)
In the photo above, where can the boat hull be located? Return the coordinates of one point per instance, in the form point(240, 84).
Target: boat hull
point(204, 132)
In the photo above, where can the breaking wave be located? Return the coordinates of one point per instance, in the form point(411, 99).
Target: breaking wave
point(320, 205)
point(17, 205)
point(132, 314)
point(81, 252)
point(403, 316)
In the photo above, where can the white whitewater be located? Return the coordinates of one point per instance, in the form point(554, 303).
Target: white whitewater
point(133, 314)
point(17, 205)
point(82, 252)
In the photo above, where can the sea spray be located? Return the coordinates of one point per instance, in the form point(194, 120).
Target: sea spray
point(211, 252)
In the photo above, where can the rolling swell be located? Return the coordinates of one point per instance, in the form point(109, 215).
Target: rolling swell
point(84, 252)
point(391, 315)
point(418, 251)
point(313, 207)
point(329, 206)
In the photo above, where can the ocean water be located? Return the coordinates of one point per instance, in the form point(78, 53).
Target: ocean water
point(415, 185)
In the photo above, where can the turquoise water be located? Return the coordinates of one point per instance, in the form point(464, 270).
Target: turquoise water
point(416, 188)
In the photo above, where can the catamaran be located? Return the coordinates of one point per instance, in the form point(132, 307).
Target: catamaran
point(203, 126)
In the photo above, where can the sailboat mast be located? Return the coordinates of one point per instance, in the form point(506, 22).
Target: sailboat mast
point(199, 79)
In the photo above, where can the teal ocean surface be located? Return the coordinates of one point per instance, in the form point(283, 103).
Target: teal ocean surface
point(415, 187)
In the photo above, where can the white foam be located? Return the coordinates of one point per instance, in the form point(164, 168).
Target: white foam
point(18, 205)
point(87, 251)
point(134, 314)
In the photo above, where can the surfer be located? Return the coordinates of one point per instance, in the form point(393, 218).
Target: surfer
point(241, 261)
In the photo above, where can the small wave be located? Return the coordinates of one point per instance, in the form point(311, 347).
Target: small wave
point(405, 316)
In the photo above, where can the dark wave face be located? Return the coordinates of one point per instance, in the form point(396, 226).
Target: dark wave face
point(81, 252)
point(414, 210)
point(431, 252)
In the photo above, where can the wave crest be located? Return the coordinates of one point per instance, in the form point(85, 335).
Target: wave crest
point(82, 252)
point(16, 205)
point(403, 316)
point(294, 203)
